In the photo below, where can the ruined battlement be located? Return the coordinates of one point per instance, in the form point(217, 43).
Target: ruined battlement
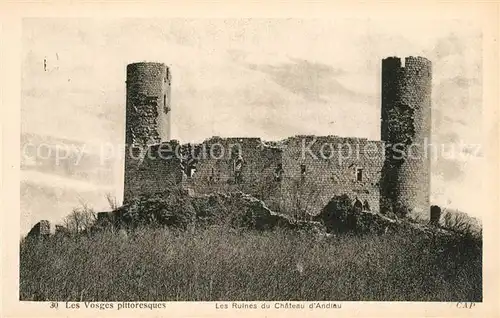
point(330, 139)
point(229, 148)
point(148, 103)
point(147, 72)
point(314, 168)
point(410, 62)
point(295, 164)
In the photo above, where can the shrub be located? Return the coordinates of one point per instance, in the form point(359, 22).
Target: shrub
point(166, 209)
point(80, 219)
point(338, 215)
point(460, 223)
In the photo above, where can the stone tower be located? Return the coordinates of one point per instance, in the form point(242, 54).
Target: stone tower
point(406, 131)
point(147, 115)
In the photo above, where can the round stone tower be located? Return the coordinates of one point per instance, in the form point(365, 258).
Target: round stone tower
point(147, 116)
point(406, 131)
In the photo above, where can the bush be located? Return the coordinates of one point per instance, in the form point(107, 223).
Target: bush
point(80, 220)
point(338, 215)
point(457, 222)
point(165, 209)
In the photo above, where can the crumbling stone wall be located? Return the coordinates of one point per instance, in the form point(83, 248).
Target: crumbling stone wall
point(182, 210)
point(270, 172)
point(406, 122)
point(159, 169)
point(317, 168)
point(40, 230)
point(236, 164)
point(216, 165)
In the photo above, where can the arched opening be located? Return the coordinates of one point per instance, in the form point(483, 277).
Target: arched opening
point(237, 167)
point(358, 206)
point(366, 206)
point(359, 174)
point(337, 215)
point(278, 172)
point(435, 214)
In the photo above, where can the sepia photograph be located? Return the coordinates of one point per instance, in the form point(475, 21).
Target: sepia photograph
point(251, 159)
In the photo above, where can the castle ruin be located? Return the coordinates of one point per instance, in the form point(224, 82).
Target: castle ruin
point(299, 172)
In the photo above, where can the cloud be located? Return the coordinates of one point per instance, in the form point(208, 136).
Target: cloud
point(312, 81)
point(45, 197)
point(71, 159)
point(449, 170)
point(453, 44)
point(457, 104)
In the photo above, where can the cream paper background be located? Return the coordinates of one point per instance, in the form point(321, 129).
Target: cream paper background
point(10, 62)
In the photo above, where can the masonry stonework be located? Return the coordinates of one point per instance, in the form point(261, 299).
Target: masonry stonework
point(40, 230)
point(299, 174)
point(406, 129)
point(147, 115)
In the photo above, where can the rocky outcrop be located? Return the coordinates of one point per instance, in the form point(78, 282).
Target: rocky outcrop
point(183, 209)
point(242, 210)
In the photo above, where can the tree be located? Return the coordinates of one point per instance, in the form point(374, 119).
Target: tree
point(169, 208)
point(80, 219)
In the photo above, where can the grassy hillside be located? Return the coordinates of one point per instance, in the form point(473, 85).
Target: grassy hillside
point(217, 263)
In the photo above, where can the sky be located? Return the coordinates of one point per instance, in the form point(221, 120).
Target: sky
point(243, 77)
